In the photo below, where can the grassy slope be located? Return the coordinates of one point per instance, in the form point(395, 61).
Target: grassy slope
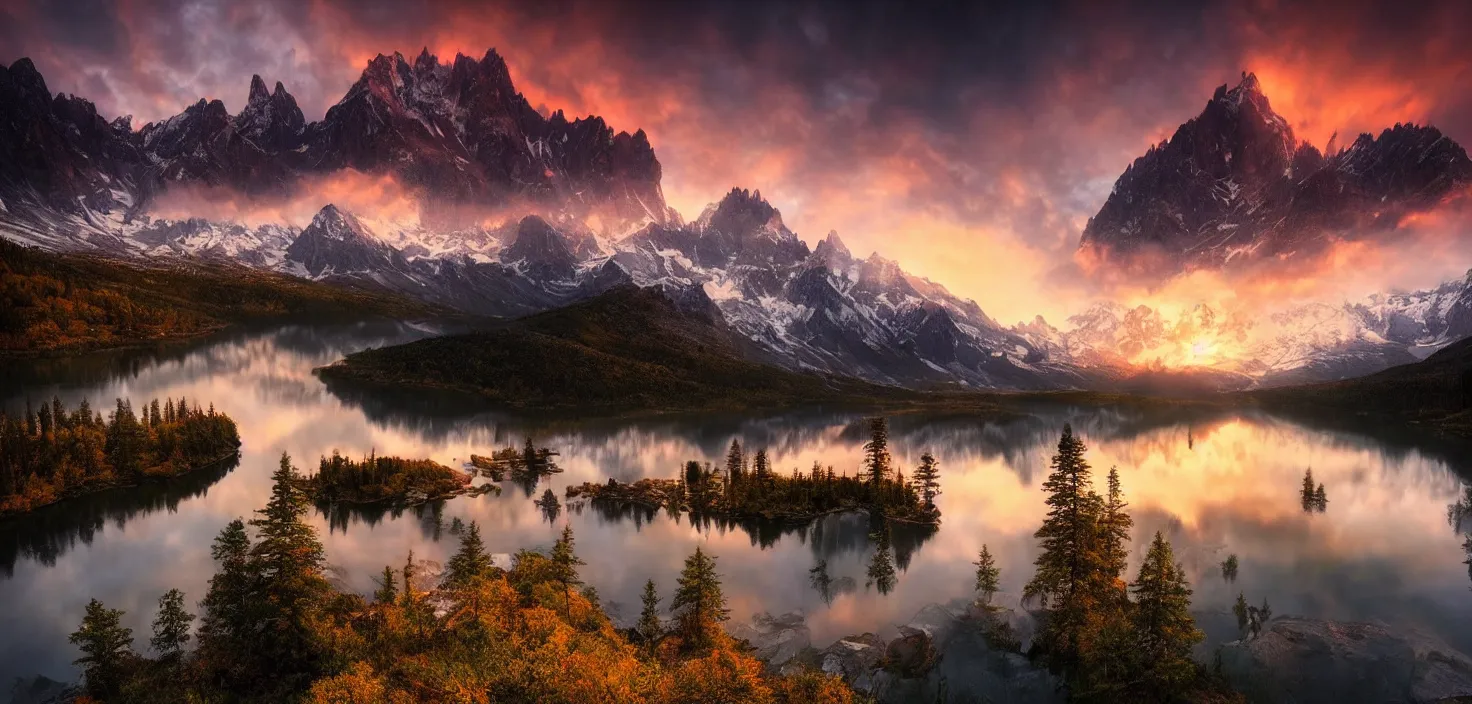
point(627, 349)
point(70, 302)
point(1436, 392)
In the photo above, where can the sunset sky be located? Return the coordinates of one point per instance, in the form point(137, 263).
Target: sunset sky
point(969, 144)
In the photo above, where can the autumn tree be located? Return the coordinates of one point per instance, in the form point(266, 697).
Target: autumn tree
point(171, 626)
point(927, 479)
point(1164, 628)
point(107, 649)
point(876, 452)
point(699, 604)
point(987, 576)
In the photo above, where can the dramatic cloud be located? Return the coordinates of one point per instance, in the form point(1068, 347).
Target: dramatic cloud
point(969, 143)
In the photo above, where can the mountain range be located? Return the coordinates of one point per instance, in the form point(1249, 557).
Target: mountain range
point(1234, 182)
point(579, 213)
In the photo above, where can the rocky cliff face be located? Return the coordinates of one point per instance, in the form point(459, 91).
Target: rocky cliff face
point(458, 133)
point(1234, 182)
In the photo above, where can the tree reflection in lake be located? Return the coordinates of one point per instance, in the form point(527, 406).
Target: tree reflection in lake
point(46, 534)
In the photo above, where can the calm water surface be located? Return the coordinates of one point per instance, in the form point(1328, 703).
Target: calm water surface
point(1216, 484)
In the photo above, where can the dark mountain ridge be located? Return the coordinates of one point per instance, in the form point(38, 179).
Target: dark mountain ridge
point(1234, 182)
point(459, 134)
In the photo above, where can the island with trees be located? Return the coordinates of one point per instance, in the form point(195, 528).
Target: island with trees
point(750, 487)
point(53, 453)
point(394, 480)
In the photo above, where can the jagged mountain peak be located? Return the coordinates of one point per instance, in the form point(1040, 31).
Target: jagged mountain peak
point(742, 212)
point(336, 223)
point(258, 90)
point(1233, 182)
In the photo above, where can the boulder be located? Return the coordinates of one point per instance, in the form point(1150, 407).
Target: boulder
point(855, 659)
point(776, 639)
point(1309, 660)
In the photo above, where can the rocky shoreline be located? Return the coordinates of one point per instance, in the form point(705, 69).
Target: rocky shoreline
point(943, 654)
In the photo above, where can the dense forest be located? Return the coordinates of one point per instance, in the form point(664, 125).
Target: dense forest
point(374, 479)
point(272, 628)
point(68, 302)
point(53, 453)
point(748, 486)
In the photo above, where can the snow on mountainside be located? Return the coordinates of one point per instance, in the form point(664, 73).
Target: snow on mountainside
point(1304, 343)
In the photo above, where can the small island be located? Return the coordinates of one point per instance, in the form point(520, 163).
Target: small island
point(54, 453)
point(753, 489)
point(374, 479)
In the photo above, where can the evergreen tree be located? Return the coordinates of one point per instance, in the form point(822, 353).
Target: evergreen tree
point(288, 560)
point(228, 605)
point(881, 566)
point(171, 625)
point(470, 562)
point(1307, 493)
point(1239, 610)
point(565, 564)
point(876, 452)
point(649, 626)
point(1070, 577)
point(106, 648)
point(1321, 499)
point(1164, 628)
point(388, 586)
point(927, 479)
point(761, 468)
point(408, 599)
point(1114, 531)
point(987, 576)
point(735, 462)
point(699, 604)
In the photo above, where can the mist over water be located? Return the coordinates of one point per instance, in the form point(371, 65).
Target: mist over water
point(1216, 483)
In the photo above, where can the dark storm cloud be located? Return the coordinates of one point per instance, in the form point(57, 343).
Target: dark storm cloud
point(970, 141)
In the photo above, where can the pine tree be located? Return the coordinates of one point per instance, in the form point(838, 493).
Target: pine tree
point(1114, 531)
point(761, 467)
point(927, 478)
point(565, 563)
point(288, 559)
point(171, 625)
point(1307, 493)
point(106, 648)
point(1164, 628)
point(388, 586)
point(1070, 567)
point(1239, 609)
point(470, 562)
point(228, 605)
point(876, 452)
point(735, 463)
point(1321, 499)
point(987, 576)
point(649, 626)
point(408, 598)
point(699, 604)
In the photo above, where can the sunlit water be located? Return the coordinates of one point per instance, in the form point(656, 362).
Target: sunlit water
point(1215, 484)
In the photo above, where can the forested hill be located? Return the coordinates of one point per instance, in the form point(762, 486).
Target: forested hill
point(629, 348)
point(1436, 392)
point(53, 302)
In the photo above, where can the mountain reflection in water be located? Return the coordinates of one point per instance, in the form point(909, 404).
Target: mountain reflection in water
point(1217, 482)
